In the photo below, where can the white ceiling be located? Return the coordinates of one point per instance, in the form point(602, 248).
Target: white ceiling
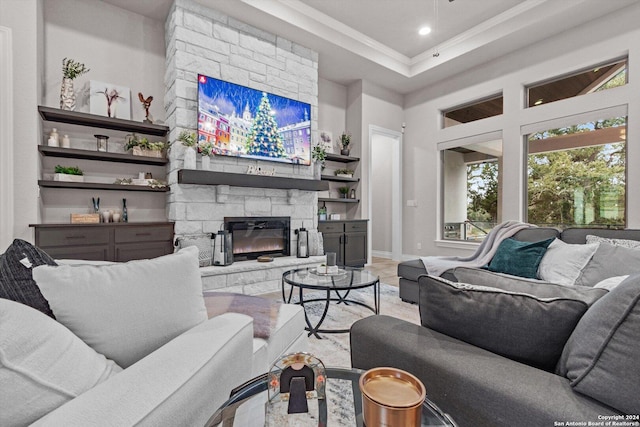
point(377, 40)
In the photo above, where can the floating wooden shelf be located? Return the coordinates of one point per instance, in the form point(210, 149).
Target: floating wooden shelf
point(85, 119)
point(100, 186)
point(339, 178)
point(73, 153)
point(340, 158)
point(337, 200)
point(204, 177)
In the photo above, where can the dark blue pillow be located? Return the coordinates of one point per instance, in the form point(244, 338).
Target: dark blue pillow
point(519, 258)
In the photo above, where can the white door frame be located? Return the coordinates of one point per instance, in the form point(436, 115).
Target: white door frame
point(396, 189)
point(6, 139)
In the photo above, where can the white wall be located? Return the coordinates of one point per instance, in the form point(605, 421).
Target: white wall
point(24, 17)
point(612, 37)
point(120, 47)
point(332, 107)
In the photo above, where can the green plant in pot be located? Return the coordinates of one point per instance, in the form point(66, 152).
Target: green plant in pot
point(347, 173)
point(343, 192)
point(144, 147)
point(68, 174)
point(189, 140)
point(345, 141)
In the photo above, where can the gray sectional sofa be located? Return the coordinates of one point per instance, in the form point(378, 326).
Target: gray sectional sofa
point(503, 351)
point(409, 271)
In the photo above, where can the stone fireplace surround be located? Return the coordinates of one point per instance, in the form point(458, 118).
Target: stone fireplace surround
point(203, 40)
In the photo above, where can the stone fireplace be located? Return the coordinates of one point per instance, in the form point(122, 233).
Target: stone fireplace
point(256, 236)
point(203, 40)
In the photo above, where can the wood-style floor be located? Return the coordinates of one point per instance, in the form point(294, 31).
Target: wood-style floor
point(386, 268)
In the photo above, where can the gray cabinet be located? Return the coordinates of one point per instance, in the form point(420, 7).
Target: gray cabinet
point(348, 239)
point(105, 242)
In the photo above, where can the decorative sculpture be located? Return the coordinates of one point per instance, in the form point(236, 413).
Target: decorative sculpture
point(146, 103)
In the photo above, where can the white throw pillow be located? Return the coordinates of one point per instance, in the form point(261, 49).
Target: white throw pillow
point(563, 262)
point(126, 311)
point(42, 364)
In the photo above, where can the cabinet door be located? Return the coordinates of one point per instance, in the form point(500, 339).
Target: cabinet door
point(333, 243)
point(355, 249)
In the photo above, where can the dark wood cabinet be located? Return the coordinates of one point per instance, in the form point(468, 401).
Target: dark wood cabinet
point(348, 239)
point(105, 242)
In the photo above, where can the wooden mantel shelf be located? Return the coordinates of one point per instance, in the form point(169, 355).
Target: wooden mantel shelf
point(204, 177)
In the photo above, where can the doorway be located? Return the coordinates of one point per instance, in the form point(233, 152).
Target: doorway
point(385, 192)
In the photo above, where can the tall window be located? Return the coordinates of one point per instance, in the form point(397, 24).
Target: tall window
point(577, 175)
point(471, 190)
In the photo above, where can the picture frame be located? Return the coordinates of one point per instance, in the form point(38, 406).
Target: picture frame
point(110, 100)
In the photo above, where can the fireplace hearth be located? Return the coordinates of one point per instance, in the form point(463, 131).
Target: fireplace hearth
point(256, 236)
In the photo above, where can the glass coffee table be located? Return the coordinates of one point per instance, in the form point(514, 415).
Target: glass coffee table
point(247, 406)
point(340, 284)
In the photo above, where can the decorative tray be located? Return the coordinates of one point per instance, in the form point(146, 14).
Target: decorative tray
point(340, 272)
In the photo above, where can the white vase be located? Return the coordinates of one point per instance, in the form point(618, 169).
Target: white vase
point(189, 158)
point(67, 95)
point(206, 163)
point(317, 170)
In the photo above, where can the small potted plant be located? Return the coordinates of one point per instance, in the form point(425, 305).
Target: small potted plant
point(344, 173)
point(68, 174)
point(318, 154)
point(345, 141)
point(322, 213)
point(143, 147)
point(343, 192)
point(205, 149)
point(189, 140)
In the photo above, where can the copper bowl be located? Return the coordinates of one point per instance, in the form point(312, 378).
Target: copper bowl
point(391, 397)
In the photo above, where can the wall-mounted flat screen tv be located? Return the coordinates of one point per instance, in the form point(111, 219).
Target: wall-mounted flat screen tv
point(243, 122)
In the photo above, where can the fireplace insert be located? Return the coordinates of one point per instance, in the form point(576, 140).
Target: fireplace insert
point(255, 236)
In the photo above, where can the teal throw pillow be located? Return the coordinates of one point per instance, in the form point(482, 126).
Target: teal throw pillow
point(519, 258)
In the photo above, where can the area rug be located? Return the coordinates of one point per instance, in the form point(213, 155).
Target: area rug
point(333, 349)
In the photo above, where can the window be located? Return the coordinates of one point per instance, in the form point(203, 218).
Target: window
point(577, 175)
point(471, 190)
point(476, 110)
point(594, 79)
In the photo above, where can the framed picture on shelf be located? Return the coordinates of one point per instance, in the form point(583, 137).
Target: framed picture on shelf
point(326, 139)
point(106, 99)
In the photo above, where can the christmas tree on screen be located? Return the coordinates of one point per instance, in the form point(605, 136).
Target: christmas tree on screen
point(264, 139)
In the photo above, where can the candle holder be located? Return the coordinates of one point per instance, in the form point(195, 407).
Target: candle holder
point(102, 141)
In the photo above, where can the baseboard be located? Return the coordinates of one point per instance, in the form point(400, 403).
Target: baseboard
point(382, 254)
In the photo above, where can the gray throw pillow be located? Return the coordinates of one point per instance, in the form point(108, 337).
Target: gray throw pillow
point(516, 325)
point(16, 281)
point(601, 356)
point(609, 261)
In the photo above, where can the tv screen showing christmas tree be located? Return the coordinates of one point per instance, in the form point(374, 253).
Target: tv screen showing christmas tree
point(238, 121)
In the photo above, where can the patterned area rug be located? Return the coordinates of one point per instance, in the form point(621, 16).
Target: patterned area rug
point(333, 349)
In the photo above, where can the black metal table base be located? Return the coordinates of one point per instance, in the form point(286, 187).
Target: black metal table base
point(315, 330)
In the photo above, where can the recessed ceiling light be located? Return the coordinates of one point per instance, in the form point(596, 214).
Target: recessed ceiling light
point(424, 31)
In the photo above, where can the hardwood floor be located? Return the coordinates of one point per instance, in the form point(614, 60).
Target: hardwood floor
point(386, 268)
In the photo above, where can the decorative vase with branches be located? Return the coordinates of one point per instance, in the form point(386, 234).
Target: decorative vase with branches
point(70, 70)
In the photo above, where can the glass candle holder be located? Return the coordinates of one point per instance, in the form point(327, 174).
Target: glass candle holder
point(102, 142)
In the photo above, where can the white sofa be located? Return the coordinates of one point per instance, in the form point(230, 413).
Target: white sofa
point(181, 380)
